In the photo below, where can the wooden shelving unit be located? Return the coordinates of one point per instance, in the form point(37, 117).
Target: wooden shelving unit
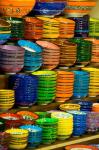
point(59, 145)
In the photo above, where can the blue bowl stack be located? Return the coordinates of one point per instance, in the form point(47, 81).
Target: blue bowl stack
point(33, 55)
point(35, 135)
point(80, 125)
point(25, 87)
point(81, 84)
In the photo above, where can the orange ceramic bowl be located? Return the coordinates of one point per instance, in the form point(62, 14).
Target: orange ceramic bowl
point(16, 8)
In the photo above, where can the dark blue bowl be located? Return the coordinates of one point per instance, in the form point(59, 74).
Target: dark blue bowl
point(49, 8)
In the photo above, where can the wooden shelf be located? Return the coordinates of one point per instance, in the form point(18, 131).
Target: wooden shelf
point(51, 106)
point(75, 140)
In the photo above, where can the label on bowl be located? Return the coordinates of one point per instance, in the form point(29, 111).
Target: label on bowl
point(28, 49)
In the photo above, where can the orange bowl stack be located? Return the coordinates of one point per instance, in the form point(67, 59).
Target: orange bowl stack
point(66, 27)
point(33, 28)
point(64, 86)
point(51, 54)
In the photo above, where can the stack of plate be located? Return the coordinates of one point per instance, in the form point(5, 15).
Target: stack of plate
point(84, 49)
point(80, 147)
point(4, 140)
point(5, 31)
point(46, 86)
point(11, 58)
point(49, 8)
point(79, 119)
point(64, 88)
point(33, 55)
point(2, 125)
point(50, 27)
point(51, 55)
point(79, 8)
point(19, 138)
point(93, 121)
point(69, 107)
point(85, 105)
point(33, 28)
point(35, 135)
point(94, 81)
point(95, 107)
point(66, 27)
point(65, 124)
point(25, 87)
point(11, 120)
point(49, 126)
point(94, 27)
point(17, 27)
point(81, 84)
point(28, 117)
point(81, 28)
point(7, 99)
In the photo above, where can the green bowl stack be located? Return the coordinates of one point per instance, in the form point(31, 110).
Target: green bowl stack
point(49, 126)
point(46, 87)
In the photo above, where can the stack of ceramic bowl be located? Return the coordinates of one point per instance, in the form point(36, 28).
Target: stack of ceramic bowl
point(28, 117)
point(46, 86)
point(69, 107)
point(5, 31)
point(81, 28)
point(49, 8)
point(50, 27)
point(4, 140)
point(16, 8)
point(65, 124)
point(92, 122)
point(94, 27)
point(85, 105)
point(3, 81)
point(94, 81)
point(68, 52)
point(79, 119)
point(49, 126)
point(79, 8)
point(35, 135)
point(17, 27)
point(2, 124)
point(95, 107)
point(33, 55)
point(11, 120)
point(19, 138)
point(51, 55)
point(7, 99)
point(64, 88)
point(84, 49)
point(25, 87)
point(66, 27)
point(11, 58)
point(81, 84)
point(95, 51)
point(33, 28)
point(81, 147)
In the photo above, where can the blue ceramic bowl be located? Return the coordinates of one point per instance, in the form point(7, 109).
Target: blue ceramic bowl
point(49, 8)
point(30, 46)
point(2, 41)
